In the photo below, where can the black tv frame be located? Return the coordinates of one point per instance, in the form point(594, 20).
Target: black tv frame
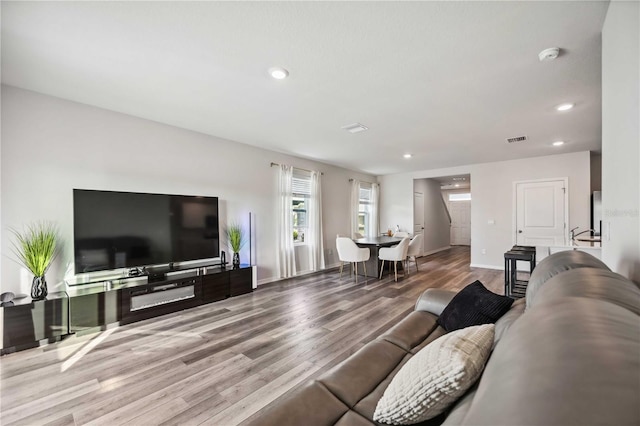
point(178, 247)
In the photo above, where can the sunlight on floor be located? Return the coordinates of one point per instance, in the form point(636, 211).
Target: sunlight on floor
point(85, 350)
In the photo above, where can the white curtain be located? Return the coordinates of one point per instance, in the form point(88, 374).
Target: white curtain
point(286, 253)
point(374, 223)
point(314, 233)
point(354, 206)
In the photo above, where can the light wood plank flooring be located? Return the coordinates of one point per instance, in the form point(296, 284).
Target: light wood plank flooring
point(222, 363)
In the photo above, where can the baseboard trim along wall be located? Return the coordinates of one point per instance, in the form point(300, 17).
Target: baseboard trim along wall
point(328, 268)
point(427, 253)
point(475, 265)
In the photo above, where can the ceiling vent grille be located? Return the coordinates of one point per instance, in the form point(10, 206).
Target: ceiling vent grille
point(517, 139)
point(355, 128)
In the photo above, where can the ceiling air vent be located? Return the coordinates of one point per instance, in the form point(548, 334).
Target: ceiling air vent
point(355, 128)
point(517, 139)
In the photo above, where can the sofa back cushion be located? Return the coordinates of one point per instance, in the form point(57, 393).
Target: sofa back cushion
point(572, 361)
point(556, 263)
point(593, 283)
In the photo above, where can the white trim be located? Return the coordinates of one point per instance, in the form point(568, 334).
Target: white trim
point(514, 203)
point(263, 281)
point(427, 253)
point(475, 265)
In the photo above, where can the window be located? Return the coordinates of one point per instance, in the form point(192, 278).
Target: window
point(300, 202)
point(460, 197)
point(364, 209)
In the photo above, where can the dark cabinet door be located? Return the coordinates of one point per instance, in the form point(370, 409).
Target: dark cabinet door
point(28, 322)
point(215, 287)
point(241, 281)
point(95, 310)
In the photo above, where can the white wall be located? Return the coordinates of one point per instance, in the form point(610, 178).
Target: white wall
point(621, 138)
point(50, 146)
point(437, 228)
point(492, 189)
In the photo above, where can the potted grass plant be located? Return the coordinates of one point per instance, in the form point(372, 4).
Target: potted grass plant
point(36, 247)
point(236, 237)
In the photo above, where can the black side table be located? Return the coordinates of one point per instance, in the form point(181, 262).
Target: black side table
point(27, 322)
point(512, 286)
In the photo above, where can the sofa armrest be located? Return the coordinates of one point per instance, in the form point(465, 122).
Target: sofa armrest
point(434, 300)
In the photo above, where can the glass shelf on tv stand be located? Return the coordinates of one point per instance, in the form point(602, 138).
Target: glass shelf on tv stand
point(87, 284)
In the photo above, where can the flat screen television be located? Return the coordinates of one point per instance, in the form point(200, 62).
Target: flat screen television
point(114, 230)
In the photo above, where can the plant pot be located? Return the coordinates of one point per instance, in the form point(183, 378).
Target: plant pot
point(39, 288)
point(236, 260)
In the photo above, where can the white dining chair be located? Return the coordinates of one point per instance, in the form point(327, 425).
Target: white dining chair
point(395, 254)
point(415, 249)
point(401, 234)
point(348, 251)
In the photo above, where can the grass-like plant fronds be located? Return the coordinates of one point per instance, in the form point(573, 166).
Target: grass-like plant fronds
point(235, 235)
point(36, 246)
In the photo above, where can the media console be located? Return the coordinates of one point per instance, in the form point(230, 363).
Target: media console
point(137, 299)
point(88, 308)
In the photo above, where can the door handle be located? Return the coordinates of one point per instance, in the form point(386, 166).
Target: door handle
point(519, 231)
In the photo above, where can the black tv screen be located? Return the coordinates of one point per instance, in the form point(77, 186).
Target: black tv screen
point(114, 230)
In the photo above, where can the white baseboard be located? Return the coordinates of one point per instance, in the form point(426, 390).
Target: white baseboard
point(476, 265)
point(427, 253)
point(300, 274)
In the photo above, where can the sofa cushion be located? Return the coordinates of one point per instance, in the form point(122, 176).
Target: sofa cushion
point(557, 263)
point(593, 283)
point(474, 305)
point(505, 322)
point(359, 374)
point(412, 330)
point(436, 376)
point(350, 418)
point(313, 404)
point(572, 361)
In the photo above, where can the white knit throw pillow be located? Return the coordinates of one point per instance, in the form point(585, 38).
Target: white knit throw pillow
point(436, 376)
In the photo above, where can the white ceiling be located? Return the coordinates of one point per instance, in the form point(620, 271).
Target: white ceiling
point(445, 81)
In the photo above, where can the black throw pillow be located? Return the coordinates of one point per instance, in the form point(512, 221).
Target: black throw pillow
point(473, 305)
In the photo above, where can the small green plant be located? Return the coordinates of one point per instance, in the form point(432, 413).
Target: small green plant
point(236, 236)
point(295, 235)
point(36, 246)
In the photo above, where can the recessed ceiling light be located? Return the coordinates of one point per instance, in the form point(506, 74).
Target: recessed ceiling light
point(564, 107)
point(457, 185)
point(407, 156)
point(558, 143)
point(278, 73)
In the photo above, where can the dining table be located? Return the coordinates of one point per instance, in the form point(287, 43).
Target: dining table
point(374, 244)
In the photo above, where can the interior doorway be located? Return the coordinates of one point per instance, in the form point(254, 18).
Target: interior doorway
point(442, 212)
point(418, 216)
point(456, 193)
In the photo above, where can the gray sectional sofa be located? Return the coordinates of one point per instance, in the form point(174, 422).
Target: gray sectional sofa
point(567, 354)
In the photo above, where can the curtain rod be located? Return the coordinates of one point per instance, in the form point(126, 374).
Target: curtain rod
point(365, 181)
point(299, 168)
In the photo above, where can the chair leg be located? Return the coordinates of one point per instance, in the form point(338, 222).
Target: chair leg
point(381, 269)
point(395, 269)
point(406, 265)
point(415, 259)
point(341, 268)
point(356, 272)
point(364, 264)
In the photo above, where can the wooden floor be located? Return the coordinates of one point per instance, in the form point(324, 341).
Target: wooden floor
point(222, 363)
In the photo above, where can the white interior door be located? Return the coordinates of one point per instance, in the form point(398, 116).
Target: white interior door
point(418, 215)
point(541, 212)
point(460, 223)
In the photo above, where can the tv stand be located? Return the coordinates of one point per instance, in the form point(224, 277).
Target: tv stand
point(125, 302)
